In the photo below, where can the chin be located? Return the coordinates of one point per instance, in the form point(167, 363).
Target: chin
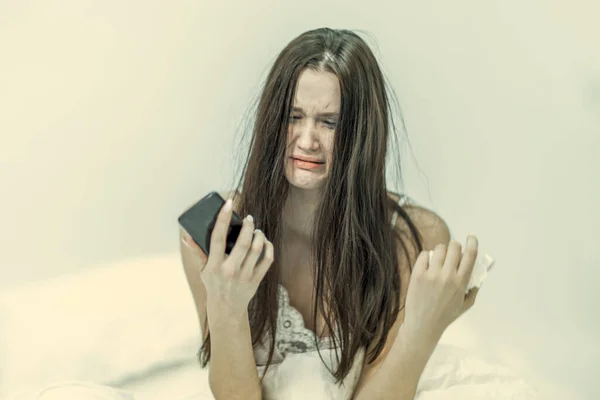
point(306, 181)
point(306, 186)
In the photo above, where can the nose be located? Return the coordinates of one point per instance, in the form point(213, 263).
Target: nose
point(307, 135)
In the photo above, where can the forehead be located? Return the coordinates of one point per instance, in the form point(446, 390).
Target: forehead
point(318, 91)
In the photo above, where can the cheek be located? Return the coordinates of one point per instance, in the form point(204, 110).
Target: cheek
point(290, 133)
point(328, 145)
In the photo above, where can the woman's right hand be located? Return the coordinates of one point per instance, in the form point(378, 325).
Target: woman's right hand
point(232, 280)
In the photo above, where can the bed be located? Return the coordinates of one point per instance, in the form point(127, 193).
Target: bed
point(132, 325)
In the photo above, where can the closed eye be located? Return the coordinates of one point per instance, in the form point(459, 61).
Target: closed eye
point(330, 124)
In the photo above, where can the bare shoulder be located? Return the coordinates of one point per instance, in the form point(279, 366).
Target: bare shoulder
point(431, 227)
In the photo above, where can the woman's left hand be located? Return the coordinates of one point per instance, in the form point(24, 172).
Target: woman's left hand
point(436, 292)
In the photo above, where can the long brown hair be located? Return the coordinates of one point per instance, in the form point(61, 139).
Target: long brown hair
point(355, 251)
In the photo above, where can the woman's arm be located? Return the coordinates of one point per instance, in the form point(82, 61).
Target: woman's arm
point(232, 373)
point(398, 375)
point(396, 372)
point(232, 369)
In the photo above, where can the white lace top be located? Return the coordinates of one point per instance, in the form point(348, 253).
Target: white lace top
point(296, 362)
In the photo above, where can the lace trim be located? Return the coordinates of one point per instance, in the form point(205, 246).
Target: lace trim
point(292, 334)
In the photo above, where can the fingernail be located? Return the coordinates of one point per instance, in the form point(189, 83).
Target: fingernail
point(228, 205)
point(249, 218)
point(257, 230)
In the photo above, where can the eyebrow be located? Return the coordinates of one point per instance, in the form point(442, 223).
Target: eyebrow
point(325, 114)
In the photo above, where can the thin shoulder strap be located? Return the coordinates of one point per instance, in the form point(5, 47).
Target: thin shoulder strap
point(403, 200)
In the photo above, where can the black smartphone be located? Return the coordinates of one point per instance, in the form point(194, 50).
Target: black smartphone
point(199, 221)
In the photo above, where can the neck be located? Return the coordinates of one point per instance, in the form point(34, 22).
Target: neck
point(298, 214)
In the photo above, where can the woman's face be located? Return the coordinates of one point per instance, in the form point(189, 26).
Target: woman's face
point(313, 118)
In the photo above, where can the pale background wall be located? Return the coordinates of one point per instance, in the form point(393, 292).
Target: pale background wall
point(116, 115)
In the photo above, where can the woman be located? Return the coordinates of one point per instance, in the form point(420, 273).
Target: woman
point(340, 250)
point(345, 301)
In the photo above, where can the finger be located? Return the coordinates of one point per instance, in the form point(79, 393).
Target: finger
point(242, 244)
point(453, 256)
point(422, 263)
point(265, 263)
point(258, 243)
point(438, 257)
point(470, 299)
point(218, 236)
point(468, 259)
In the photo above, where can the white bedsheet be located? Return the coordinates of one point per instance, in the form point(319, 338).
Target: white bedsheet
point(452, 373)
point(145, 345)
point(178, 382)
point(174, 383)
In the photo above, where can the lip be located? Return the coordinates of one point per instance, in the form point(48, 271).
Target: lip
point(312, 160)
point(307, 165)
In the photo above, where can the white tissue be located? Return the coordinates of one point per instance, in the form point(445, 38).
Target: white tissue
point(483, 263)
